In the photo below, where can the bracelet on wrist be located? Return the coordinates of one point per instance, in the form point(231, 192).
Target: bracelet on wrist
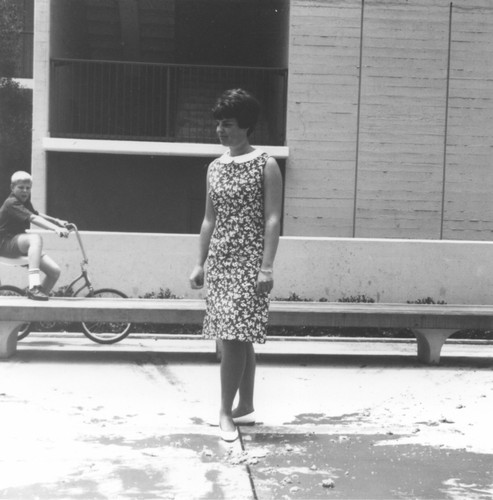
point(266, 271)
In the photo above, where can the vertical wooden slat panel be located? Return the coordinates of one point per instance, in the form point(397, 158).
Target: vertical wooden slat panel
point(469, 187)
point(322, 109)
point(402, 118)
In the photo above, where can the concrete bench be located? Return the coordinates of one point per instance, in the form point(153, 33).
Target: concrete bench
point(432, 324)
point(14, 311)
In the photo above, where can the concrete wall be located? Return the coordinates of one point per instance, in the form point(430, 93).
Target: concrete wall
point(383, 269)
point(390, 119)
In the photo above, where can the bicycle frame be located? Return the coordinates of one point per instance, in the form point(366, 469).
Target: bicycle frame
point(69, 290)
point(100, 332)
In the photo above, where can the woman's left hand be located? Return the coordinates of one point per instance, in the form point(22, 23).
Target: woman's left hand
point(265, 281)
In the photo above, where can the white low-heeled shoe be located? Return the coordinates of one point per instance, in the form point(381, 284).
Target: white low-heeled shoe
point(228, 436)
point(248, 419)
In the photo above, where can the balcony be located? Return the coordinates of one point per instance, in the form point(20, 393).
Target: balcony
point(157, 102)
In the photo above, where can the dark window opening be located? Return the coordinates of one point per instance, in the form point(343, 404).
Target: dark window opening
point(125, 193)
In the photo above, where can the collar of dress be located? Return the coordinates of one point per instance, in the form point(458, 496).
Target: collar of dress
point(226, 158)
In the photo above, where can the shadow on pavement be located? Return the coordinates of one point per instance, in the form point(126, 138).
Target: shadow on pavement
point(43, 352)
point(106, 355)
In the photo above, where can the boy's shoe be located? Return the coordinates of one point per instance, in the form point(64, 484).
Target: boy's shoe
point(36, 293)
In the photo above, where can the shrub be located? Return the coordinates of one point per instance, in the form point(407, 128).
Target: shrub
point(162, 294)
point(357, 298)
point(425, 300)
point(15, 131)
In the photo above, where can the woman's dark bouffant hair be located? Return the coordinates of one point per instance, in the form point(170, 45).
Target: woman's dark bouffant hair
point(239, 104)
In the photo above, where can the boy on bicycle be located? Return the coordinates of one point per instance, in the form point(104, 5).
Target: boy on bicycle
point(16, 215)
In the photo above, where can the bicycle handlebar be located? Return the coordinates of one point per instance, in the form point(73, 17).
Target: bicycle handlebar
point(72, 227)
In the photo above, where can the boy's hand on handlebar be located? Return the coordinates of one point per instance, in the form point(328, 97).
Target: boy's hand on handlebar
point(62, 232)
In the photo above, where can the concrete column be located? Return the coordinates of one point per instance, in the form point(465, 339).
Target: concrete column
point(41, 72)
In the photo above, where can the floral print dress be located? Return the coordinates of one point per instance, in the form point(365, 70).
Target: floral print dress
point(235, 311)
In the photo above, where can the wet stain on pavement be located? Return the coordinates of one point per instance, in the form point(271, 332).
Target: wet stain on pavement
point(322, 418)
point(364, 467)
point(132, 479)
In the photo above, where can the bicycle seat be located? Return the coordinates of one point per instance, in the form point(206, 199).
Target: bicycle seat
point(16, 261)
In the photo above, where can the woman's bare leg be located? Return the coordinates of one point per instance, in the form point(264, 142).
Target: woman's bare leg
point(247, 384)
point(233, 361)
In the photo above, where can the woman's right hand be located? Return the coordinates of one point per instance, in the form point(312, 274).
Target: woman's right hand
point(197, 277)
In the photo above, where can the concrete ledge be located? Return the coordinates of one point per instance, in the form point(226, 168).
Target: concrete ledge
point(457, 272)
point(146, 147)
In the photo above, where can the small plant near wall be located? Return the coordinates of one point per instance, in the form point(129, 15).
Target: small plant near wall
point(426, 300)
point(357, 298)
point(293, 297)
point(162, 294)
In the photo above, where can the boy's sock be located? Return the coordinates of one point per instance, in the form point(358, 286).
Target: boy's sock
point(34, 278)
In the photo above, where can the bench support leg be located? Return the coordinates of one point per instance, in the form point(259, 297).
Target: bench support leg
point(8, 338)
point(430, 342)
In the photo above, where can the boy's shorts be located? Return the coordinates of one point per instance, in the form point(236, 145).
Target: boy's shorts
point(10, 248)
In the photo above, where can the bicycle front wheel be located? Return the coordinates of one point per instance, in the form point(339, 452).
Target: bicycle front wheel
point(13, 291)
point(104, 332)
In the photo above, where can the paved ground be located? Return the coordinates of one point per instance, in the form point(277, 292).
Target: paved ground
point(337, 420)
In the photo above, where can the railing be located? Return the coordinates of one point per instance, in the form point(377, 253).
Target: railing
point(163, 102)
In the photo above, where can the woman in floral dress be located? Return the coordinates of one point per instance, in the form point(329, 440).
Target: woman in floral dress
point(238, 238)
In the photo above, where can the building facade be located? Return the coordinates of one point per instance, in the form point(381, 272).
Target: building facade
point(380, 113)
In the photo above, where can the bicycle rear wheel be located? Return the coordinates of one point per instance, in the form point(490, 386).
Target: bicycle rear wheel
point(13, 291)
point(104, 332)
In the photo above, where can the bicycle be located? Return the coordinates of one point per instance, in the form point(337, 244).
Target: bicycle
point(100, 332)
